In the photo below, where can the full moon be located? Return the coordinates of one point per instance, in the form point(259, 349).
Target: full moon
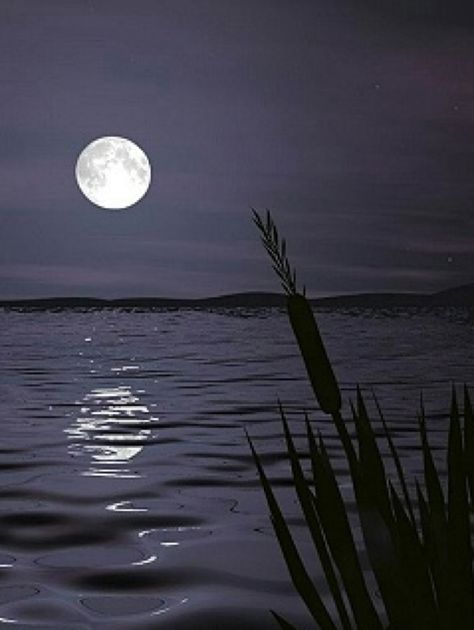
point(113, 172)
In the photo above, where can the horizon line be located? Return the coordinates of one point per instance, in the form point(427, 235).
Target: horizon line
point(255, 293)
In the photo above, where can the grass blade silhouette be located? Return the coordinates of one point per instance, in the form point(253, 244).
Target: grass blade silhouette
point(299, 575)
point(334, 519)
point(415, 569)
point(459, 537)
point(371, 463)
point(306, 500)
point(469, 441)
point(283, 623)
point(420, 552)
point(397, 462)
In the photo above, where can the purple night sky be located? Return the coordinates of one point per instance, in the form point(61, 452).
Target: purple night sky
point(353, 125)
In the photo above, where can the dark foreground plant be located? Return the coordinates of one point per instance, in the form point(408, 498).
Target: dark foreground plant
point(419, 548)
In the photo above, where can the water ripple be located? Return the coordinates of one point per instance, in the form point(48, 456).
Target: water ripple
point(129, 497)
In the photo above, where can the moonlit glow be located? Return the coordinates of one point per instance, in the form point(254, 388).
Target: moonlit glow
point(104, 433)
point(113, 172)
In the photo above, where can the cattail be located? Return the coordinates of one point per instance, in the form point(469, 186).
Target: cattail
point(302, 320)
point(314, 354)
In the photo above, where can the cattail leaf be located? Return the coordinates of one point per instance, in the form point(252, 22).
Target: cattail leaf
point(346, 441)
point(459, 538)
point(378, 535)
point(432, 553)
point(432, 482)
point(415, 569)
point(298, 573)
point(307, 505)
point(424, 513)
point(398, 465)
point(371, 462)
point(283, 623)
point(335, 523)
point(469, 441)
point(437, 523)
point(383, 556)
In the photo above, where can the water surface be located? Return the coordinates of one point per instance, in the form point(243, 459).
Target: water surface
point(128, 498)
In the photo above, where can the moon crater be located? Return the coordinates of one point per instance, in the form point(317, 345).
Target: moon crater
point(113, 172)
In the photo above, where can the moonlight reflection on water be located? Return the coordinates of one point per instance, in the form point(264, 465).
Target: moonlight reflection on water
point(111, 431)
point(129, 496)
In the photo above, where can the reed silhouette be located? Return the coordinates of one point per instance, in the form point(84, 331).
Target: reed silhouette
point(417, 537)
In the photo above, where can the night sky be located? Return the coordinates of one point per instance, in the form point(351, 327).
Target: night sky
point(352, 122)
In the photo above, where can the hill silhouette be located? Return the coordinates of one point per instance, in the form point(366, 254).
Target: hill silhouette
point(455, 296)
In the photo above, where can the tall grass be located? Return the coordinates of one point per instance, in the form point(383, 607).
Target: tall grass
point(418, 543)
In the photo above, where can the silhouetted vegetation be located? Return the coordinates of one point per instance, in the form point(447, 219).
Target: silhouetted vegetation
point(417, 537)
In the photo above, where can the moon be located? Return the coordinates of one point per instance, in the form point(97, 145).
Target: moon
point(113, 172)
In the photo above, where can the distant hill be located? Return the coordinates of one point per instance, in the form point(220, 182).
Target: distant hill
point(456, 296)
point(249, 300)
point(372, 300)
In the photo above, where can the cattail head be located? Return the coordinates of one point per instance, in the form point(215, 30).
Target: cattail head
point(302, 320)
point(314, 354)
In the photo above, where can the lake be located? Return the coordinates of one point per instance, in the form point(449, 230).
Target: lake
point(128, 495)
